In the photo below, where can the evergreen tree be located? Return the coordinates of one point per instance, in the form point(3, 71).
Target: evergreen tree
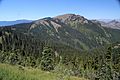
point(105, 70)
point(47, 61)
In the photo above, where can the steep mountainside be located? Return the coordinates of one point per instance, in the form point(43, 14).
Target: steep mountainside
point(70, 30)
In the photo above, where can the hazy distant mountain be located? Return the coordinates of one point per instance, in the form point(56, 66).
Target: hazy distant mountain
point(68, 30)
point(105, 20)
point(115, 24)
point(6, 23)
point(108, 20)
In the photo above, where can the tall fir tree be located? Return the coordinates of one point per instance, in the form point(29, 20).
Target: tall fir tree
point(47, 61)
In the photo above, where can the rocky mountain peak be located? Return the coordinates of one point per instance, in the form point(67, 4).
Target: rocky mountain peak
point(60, 21)
point(71, 17)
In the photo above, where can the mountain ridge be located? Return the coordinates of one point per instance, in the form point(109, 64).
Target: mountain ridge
point(68, 29)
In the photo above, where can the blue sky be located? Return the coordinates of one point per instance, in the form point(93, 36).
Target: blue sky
point(36, 9)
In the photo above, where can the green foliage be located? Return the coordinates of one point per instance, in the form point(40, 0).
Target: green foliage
point(94, 64)
point(106, 70)
point(47, 60)
point(8, 72)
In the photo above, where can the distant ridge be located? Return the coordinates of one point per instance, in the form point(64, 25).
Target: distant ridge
point(114, 24)
point(8, 23)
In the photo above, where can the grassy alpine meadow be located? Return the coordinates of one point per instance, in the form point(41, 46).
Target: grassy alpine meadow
point(10, 72)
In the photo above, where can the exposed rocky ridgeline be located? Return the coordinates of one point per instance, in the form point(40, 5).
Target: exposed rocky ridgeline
point(72, 17)
point(60, 21)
